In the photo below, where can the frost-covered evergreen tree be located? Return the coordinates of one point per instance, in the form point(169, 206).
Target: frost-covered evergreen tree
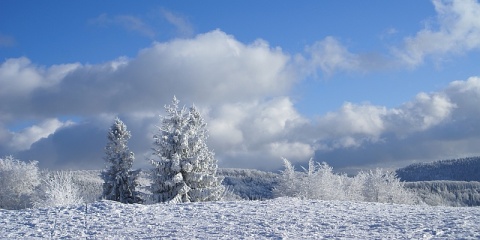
point(119, 180)
point(185, 170)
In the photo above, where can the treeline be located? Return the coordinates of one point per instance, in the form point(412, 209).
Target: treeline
point(447, 193)
point(249, 184)
point(462, 169)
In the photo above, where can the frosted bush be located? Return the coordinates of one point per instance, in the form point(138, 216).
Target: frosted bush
point(320, 182)
point(316, 182)
point(18, 181)
point(58, 189)
point(384, 186)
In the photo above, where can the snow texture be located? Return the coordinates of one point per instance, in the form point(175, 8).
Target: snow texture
point(280, 218)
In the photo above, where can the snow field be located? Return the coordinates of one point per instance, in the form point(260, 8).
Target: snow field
point(281, 218)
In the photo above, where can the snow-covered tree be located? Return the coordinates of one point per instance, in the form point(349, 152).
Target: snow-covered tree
point(119, 180)
point(18, 181)
point(185, 170)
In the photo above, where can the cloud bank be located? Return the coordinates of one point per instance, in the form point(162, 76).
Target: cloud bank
point(243, 91)
point(212, 70)
point(431, 126)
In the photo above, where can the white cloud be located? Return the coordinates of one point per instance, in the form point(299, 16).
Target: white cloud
point(213, 63)
point(424, 112)
point(263, 129)
point(294, 151)
point(355, 119)
point(242, 85)
point(24, 139)
point(224, 127)
point(466, 95)
point(432, 126)
point(130, 23)
point(212, 68)
point(330, 56)
point(351, 125)
point(18, 76)
point(354, 125)
point(183, 26)
point(455, 31)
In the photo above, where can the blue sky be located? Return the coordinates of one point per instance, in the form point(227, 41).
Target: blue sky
point(356, 85)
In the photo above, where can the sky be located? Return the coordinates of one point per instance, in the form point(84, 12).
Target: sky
point(356, 86)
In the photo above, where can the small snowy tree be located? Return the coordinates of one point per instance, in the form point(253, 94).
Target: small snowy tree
point(185, 170)
point(18, 181)
point(58, 189)
point(384, 186)
point(119, 180)
point(288, 185)
point(316, 182)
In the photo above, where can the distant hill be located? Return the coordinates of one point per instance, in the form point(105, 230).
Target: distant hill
point(463, 169)
point(249, 184)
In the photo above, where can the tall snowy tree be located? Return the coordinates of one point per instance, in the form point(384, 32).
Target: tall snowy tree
point(119, 180)
point(185, 170)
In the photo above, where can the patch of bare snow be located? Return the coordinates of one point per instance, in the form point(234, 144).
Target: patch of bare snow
point(273, 219)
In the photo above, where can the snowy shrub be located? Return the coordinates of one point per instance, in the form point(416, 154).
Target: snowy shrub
point(58, 189)
point(185, 170)
point(316, 182)
point(119, 180)
point(18, 181)
point(324, 184)
point(290, 185)
point(320, 182)
point(230, 195)
point(384, 186)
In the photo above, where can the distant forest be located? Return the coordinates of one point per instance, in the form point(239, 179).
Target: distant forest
point(462, 169)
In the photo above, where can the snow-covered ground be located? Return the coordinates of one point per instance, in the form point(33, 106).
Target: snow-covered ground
point(272, 219)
